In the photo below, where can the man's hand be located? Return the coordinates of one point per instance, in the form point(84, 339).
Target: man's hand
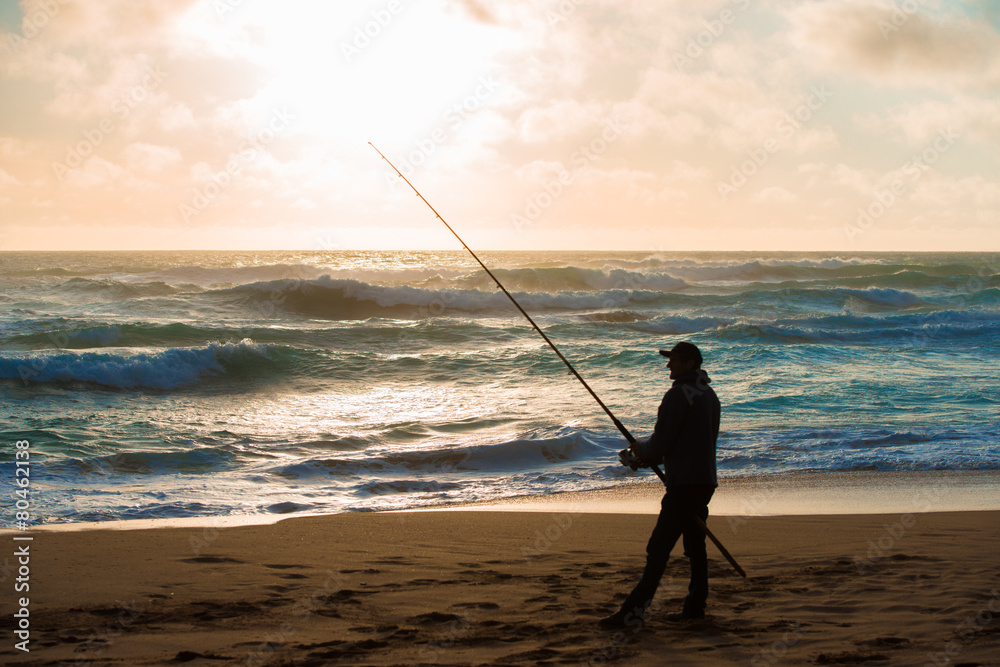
point(629, 459)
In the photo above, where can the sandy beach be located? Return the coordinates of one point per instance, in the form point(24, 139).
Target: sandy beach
point(512, 587)
point(327, 327)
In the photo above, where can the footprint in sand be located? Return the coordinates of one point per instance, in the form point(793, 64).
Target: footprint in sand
point(434, 617)
point(211, 559)
point(476, 605)
point(278, 589)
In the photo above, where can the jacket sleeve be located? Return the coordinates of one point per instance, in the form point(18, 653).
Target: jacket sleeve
point(669, 423)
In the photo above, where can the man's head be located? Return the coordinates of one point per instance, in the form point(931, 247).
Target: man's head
point(683, 358)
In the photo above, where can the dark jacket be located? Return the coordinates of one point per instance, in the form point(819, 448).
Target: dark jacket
point(687, 427)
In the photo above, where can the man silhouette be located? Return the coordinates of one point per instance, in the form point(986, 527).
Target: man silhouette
point(687, 427)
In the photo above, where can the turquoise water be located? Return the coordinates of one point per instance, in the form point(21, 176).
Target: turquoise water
point(170, 384)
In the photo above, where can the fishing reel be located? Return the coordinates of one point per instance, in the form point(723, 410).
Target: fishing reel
point(628, 459)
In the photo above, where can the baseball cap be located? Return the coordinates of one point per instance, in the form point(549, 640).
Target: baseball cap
point(684, 349)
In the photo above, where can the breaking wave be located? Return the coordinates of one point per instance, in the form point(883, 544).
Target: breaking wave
point(166, 369)
point(337, 298)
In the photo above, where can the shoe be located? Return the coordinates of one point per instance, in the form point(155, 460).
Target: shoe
point(623, 619)
point(686, 616)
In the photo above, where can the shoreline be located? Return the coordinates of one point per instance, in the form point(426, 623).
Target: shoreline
point(786, 494)
point(792, 494)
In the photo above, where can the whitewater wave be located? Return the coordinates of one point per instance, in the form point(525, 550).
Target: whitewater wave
point(572, 279)
point(891, 298)
point(860, 449)
point(662, 261)
point(56, 334)
point(546, 279)
point(126, 369)
point(225, 276)
point(907, 330)
point(828, 273)
point(616, 317)
point(532, 451)
point(768, 271)
point(679, 324)
point(336, 298)
point(109, 289)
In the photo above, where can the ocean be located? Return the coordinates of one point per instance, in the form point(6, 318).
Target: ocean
point(206, 384)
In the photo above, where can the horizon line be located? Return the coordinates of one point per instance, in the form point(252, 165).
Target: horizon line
point(462, 250)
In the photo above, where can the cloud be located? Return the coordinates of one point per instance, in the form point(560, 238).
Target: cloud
point(561, 69)
point(97, 173)
point(304, 204)
point(117, 25)
point(126, 82)
point(538, 172)
point(7, 180)
point(941, 192)
point(645, 120)
point(774, 195)
point(13, 147)
point(64, 37)
point(887, 44)
point(559, 120)
point(918, 122)
point(732, 112)
point(176, 116)
point(683, 172)
point(478, 11)
point(840, 176)
point(141, 156)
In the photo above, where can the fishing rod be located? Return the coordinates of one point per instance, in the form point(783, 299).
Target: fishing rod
point(621, 427)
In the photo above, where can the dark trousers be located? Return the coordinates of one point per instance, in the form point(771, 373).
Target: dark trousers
point(677, 511)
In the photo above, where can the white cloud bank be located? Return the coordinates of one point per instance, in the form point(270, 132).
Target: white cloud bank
point(601, 123)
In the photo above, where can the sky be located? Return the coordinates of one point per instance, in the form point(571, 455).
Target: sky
point(824, 125)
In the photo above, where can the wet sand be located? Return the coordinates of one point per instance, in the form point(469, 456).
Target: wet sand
point(509, 587)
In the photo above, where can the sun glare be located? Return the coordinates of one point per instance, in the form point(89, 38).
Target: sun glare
point(352, 74)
